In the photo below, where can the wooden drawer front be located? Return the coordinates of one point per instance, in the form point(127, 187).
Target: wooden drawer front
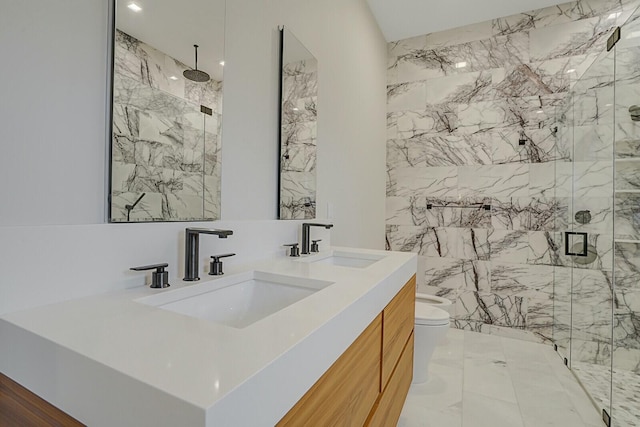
point(20, 407)
point(345, 394)
point(398, 320)
point(389, 407)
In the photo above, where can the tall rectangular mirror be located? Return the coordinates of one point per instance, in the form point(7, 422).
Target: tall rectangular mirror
point(168, 59)
point(298, 124)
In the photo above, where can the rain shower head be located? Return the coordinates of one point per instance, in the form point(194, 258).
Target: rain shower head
point(195, 74)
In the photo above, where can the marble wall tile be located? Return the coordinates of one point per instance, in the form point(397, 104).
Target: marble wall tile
point(509, 246)
point(627, 260)
point(537, 112)
point(460, 35)
point(592, 179)
point(444, 242)
point(627, 143)
point(491, 309)
point(424, 181)
point(551, 179)
point(440, 150)
point(627, 175)
point(437, 61)
point(494, 181)
point(457, 275)
point(627, 216)
point(407, 96)
point(541, 145)
point(510, 213)
point(570, 39)
point(593, 143)
point(522, 280)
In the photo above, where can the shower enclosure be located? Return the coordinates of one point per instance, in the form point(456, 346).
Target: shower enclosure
point(596, 250)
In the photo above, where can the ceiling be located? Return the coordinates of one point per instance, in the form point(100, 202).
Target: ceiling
point(174, 27)
point(401, 19)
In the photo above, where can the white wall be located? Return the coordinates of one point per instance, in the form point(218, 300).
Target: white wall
point(52, 111)
point(351, 55)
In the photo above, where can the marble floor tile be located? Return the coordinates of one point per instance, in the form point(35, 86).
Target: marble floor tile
point(479, 380)
point(483, 411)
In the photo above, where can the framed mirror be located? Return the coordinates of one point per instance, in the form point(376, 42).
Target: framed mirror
point(298, 129)
point(165, 161)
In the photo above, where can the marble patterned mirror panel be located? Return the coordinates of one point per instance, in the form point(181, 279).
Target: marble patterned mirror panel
point(298, 129)
point(166, 129)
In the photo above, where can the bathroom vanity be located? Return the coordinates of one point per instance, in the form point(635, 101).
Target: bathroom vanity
point(343, 350)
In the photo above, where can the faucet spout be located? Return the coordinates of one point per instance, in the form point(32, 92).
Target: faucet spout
point(192, 249)
point(306, 234)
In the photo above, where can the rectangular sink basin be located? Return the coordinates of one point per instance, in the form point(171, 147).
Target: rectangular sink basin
point(237, 301)
point(347, 259)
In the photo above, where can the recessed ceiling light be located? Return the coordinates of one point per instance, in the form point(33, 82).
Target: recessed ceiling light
point(222, 63)
point(296, 109)
point(614, 15)
point(173, 78)
point(571, 70)
point(134, 7)
point(540, 111)
point(461, 64)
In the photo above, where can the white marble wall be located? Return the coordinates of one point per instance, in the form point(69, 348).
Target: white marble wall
point(298, 140)
point(459, 101)
point(162, 144)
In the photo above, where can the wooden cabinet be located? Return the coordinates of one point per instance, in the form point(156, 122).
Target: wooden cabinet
point(368, 384)
point(398, 320)
point(345, 394)
point(20, 407)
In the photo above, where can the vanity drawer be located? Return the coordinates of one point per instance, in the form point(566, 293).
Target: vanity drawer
point(389, 406)
point(345, 394)
point(398, 321)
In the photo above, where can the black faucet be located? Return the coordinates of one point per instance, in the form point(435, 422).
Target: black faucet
point(192, 249)
point(306, 232)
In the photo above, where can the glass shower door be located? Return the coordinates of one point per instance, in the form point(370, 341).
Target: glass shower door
point(626, 304)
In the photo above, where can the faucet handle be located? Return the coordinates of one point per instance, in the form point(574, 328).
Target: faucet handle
point(295, 250)
point(215, 266)
point(314, 245)
point(159, 278)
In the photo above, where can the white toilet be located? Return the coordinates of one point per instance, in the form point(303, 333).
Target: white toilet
point(431, 325)
point(435, 301)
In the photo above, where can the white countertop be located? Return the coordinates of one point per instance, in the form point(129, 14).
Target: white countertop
point(108, 359)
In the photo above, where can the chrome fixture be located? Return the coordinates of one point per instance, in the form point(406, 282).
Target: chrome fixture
point(192, 249)
point(295, 250)
point(159, 278)
point(215, 266)
point(306, 232)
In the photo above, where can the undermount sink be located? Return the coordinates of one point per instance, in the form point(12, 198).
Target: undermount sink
point(239, 300)
point(346, 259)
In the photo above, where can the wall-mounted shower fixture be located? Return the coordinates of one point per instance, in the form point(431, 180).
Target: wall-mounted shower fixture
point(634, 111)
point(195, 74)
